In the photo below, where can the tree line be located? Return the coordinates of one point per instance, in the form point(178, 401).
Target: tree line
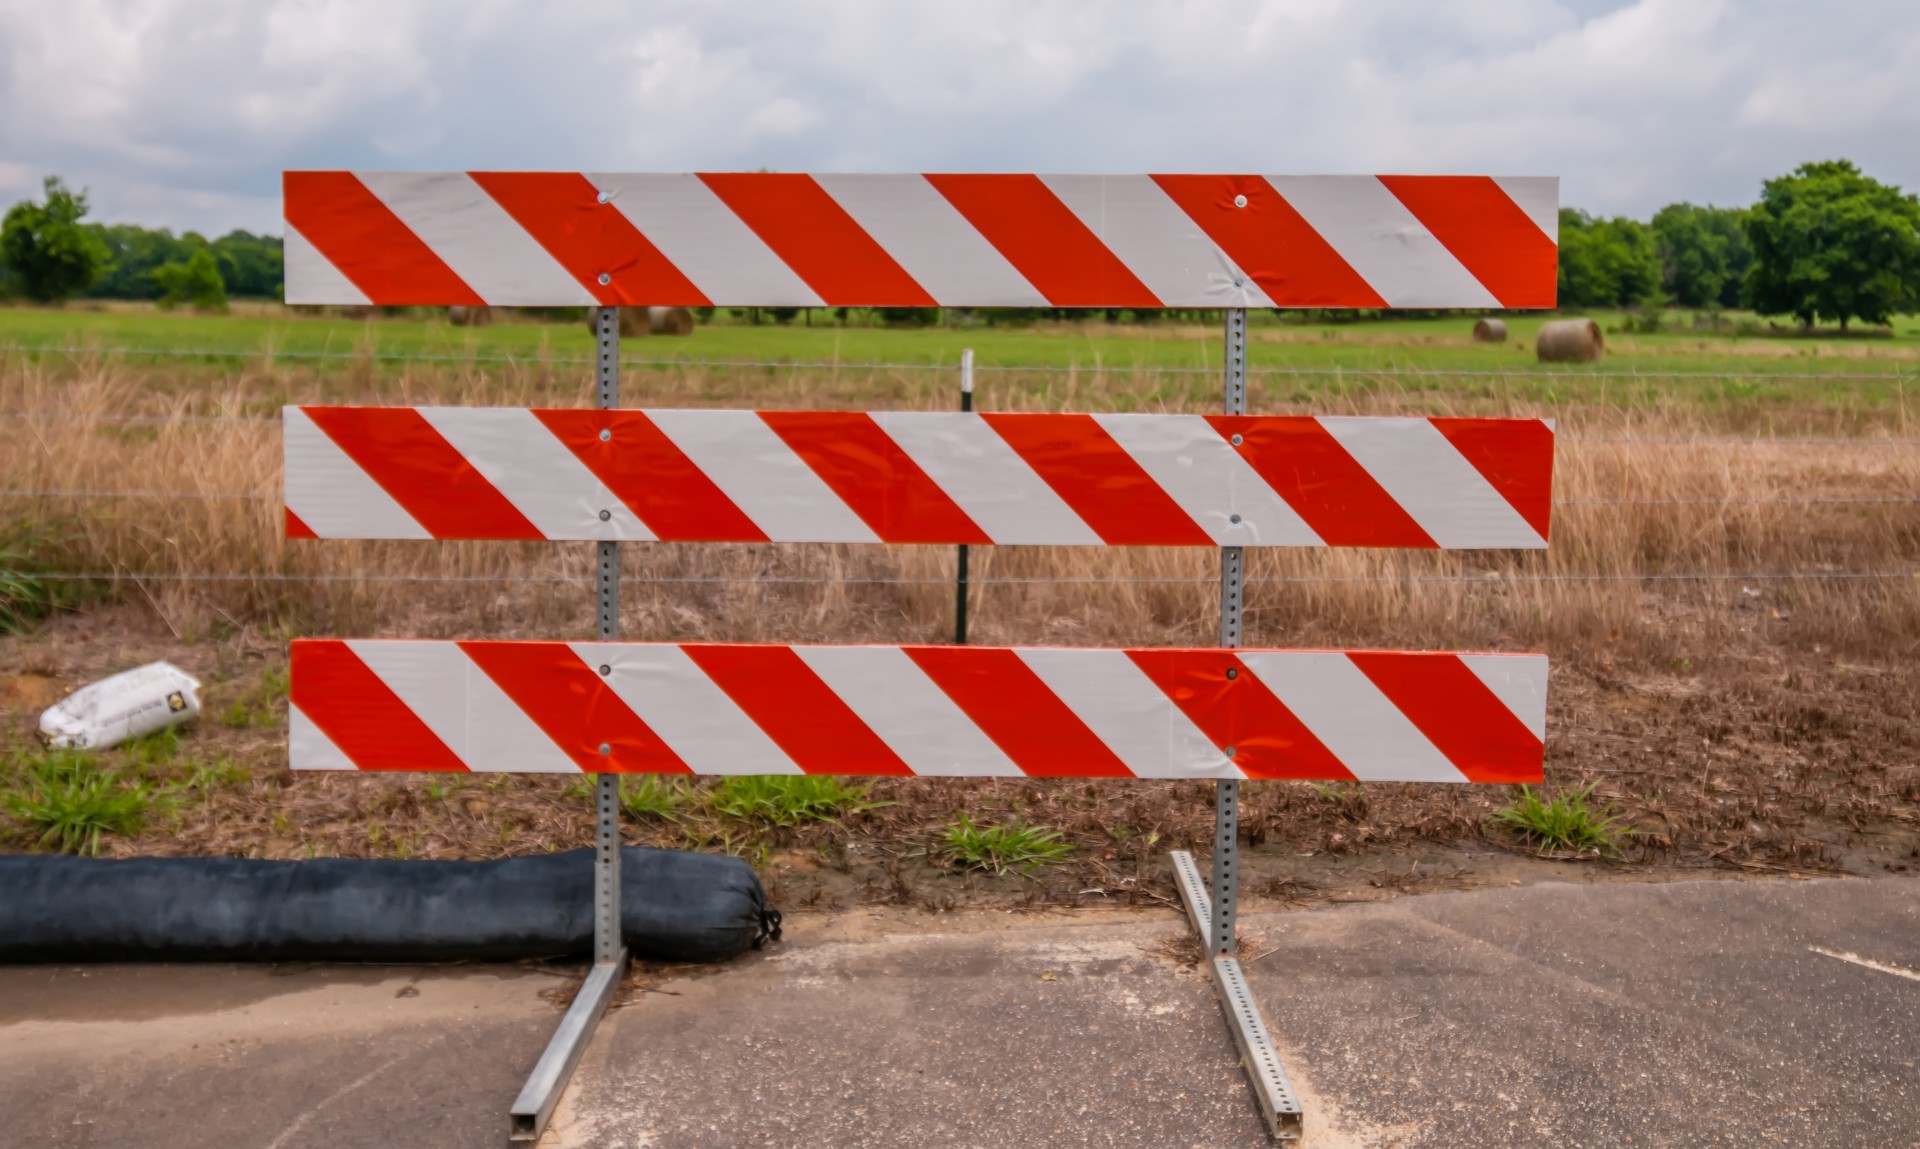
point(50, 253)
point(1824, 243)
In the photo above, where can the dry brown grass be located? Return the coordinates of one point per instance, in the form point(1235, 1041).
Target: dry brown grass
point(1758, 724)
point(1642, 489)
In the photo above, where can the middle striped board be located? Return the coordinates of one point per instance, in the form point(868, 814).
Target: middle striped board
point(917, 477)
point(931, 711)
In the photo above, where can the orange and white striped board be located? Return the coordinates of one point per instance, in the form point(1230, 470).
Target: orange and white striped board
point(917, 477)
point(775, 239)
point(930, 711)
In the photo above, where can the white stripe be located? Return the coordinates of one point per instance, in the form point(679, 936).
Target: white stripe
point(699, 234)
point(474, 235)
point(1210, 480)
point(536, 472)
point(969, 461)
point(1432, 481)
point(501, 737)
point(330, 493)
point(1383, 241)
point(311, 278)
point(692, 715)
point(1350, 716)
point(1539, 197)
point(1520, 681)
point(1135, 718)
point(757, 470)
point(929, 238)
point(908, 711)
point(1158, 241)
point(309, 748)
point(430, 679)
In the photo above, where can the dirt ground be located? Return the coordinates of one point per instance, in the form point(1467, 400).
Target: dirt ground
point(1766, 758)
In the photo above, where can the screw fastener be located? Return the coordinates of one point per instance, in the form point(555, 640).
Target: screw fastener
point(606, 670)
point(1239, 439)
point(1233, 672)
point(1239, 201)
point(1231, 751)
point(605, 278)
point(606, 436)
point(606, 749)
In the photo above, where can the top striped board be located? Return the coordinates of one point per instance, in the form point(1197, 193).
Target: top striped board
point(779, 239)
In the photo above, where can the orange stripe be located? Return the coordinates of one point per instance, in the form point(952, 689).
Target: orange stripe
point(654, 478)
point(562, 210)
point(573, 705)
point(1099, 480)
point(871, 474)
point(368, 244)
point(297, 528)
point(1270, 241)
point(1234, 708)
point(1025, 222)
point(414, 463)
point(816, 237)
point(802, 715)
point(360, 713)
point(1462, 718)
point(1487, 232)
point(1019, 712)
point(1311, 470)
point(1515, 456)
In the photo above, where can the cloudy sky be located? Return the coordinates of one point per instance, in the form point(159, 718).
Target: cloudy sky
point(183, 112)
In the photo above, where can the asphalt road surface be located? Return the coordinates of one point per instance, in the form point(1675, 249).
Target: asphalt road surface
point(1689, 1014)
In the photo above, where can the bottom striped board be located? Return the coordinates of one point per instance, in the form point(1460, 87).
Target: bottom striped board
point(935, 711)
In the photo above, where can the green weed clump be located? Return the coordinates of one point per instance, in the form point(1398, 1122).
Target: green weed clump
point(652, 796)
point(787, 800)
point(1566, 822)
point(24, 595)
point(69, 800)
point(1009, 845)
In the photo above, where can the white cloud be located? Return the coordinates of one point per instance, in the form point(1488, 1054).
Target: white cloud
point(183, 112)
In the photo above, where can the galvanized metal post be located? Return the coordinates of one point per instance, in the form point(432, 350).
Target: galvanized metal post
point(1226, 796)
point(532, 1109)
point(960, 589)
point(1212, 914)
point(607, 945)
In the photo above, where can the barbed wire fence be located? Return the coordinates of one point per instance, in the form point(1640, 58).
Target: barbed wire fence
point(1896, 572)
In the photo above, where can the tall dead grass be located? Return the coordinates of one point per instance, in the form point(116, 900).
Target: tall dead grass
point(1645, 487)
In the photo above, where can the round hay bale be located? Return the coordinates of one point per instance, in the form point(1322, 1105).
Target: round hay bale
point(1490, 331)
point(633, 322)
point(470, 316)
point(1570, 341)
point(670, 320)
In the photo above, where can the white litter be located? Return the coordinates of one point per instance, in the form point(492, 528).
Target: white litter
point(128, 705)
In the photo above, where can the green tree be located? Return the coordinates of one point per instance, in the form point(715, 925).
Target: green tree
point(196, 282)
point(47, 252)
point(1831, 243)
point(1606, 262)
point(1704, 254)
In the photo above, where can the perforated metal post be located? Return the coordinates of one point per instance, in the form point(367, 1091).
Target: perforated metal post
point(1212, 914)
point(606, 870)
point(1226, 797)
point(531, 1110)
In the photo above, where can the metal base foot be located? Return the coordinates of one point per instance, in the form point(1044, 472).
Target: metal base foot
point(528, 1118)
point(1271, 1089)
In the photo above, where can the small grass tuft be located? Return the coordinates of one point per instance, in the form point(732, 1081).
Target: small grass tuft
point(25, 597)
point(70, 801)
point(1566, 822)
point(1010, 845)
point(651, 796)
point(787, 800)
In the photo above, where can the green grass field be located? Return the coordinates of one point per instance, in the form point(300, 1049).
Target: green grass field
point(1400, 344)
